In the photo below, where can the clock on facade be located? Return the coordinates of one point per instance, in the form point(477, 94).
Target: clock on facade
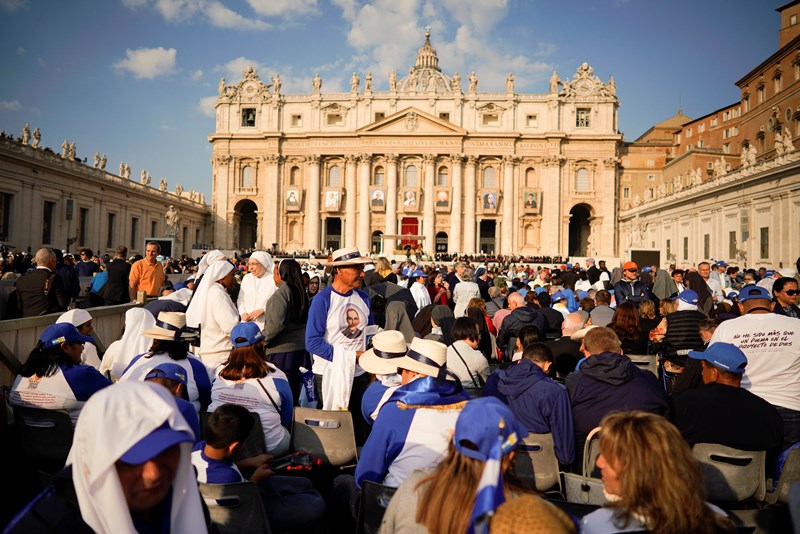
point(584, 87)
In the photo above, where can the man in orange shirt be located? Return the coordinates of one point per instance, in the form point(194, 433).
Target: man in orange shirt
point(147, 274)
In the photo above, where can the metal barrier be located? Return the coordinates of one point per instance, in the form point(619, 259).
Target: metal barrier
point(19, 336)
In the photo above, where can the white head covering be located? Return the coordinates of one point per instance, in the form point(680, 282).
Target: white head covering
point(196, 312)
point(183, 295)
point(74, 317)
point(264, 259)
point(685, 306)
point(133, 343)
point(207, 260)
point(112, 421)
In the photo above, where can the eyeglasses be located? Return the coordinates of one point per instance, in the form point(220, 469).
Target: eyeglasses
point(792, 292)
point(631, 270)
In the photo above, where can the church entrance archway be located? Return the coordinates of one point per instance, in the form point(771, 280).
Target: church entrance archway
point(377, 242)
point(247, 224)
point(488, 231)
point(333, 233)
point(579, 230)
point(441, 243)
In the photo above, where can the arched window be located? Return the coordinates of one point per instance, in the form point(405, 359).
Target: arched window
point(489, 178)
point(411, 176)
point(378, 176)
point(530, 178)
point(582, 179)
point(248, 181)
point(334, 176)
point(442, 179)
point(294, 176)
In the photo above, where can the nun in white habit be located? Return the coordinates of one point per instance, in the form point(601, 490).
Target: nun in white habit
point(130, 466)
point(256, 288)
point(121, 352)
point(213, 311)
point(82, 320)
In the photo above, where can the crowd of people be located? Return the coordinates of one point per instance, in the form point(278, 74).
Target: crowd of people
point(445, 368)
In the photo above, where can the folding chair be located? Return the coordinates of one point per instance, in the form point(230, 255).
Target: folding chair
point(44, 435)
point(235, 508)
point(731, 475)
point(535, 463)
point(645, 362)
point(790, 475)
point(252, 446)
point(374, 501)
point(326, 434)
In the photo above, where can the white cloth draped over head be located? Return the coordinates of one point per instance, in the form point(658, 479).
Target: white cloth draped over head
point(685, 306)
point(112, 421)
point(264, 259)
point(207, 260)
point(76, 318)
point(120, 353)
point(183, 295)
point(255, 292)
point(196, 312)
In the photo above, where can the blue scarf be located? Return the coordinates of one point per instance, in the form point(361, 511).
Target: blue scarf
point(429, 391)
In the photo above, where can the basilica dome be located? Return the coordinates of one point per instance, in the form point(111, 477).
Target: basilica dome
point(426, 74)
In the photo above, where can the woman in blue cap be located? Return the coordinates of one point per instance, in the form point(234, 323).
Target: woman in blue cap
point(464, 490)
point(53, 377)
point(249, 380)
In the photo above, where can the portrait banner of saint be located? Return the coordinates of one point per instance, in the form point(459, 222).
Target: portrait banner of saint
point(377, 200)
point(532, 200)
point(294, 199)
point(410, 201)
point(442, 201)
point(332, 200)
point(490, 202)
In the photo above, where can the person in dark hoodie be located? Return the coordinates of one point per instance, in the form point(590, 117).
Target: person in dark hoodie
point(540, 403)
point(521, 315)
point(605, 381)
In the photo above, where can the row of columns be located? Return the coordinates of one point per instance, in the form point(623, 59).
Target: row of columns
point(357, 229)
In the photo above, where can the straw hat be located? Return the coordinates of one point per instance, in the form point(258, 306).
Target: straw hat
point(580, 334)
point(388, 347)
point(426, 357)
point(347, 256)
point(171, 326)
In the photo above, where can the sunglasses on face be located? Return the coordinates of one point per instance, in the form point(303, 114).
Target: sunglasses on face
point(631, 270)
point(792, 292)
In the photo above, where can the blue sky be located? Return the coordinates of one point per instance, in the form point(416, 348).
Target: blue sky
point(136, 79)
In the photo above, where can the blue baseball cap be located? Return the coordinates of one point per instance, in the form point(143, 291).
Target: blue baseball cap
point(249, 331)
point(689, 297)
point(721, 263)
point(62, 333)
point(418, 274)
point(749, 292)
point(724, 356)
point(647, 269)
point(732, 295)
point(481, 423)
point(153, 444)
point(173, 371)
point(558, 296)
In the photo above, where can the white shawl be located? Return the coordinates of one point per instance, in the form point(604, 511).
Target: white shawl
point(112, 421)
point(196, 312)
point(122, 352)
point(255, 292)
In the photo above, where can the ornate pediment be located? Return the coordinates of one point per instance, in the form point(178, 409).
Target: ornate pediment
point(249, 89)
point(586, 85)
point(411, 121)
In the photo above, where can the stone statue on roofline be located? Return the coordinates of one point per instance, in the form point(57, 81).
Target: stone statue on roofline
point(317, 83)
point(554, 82)
point(65, 149)
point(221, 87)
point(473, 82)
point(456, 82)
point(368, 82)
point(510, 83)
point(788, 142)
point(276, 84)
point(37, 138)
point(96, 160)
point(354, 83)
point(393, 80)
point(162, 185)
point(72, 151)
point(103, 162)
point(26, 134)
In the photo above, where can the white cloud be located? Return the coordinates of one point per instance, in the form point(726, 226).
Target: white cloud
point(148, 63)
point(282, 8)
point(10, 105)
point(218, 14)
point(12, 5)
point(222, 17)
point(206, 106)
point(233, 69)
point(196, 75)
point(386, 35)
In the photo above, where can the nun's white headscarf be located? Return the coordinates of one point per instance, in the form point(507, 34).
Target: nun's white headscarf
point(113, 420)
point(264, 259)
point(121, 352)
point(196, 312)
point(207, 260)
